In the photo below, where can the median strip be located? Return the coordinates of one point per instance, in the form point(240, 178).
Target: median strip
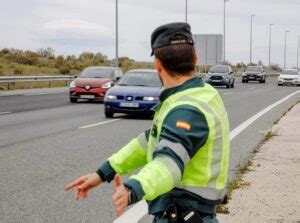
point(99, 123)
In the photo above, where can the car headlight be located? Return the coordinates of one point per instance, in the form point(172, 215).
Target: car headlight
point(111, 97)
point(106, 85)
point(72, 84)
point(244, 74)
point(150, 98)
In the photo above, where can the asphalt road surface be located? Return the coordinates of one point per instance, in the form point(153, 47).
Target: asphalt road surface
point(46, 142)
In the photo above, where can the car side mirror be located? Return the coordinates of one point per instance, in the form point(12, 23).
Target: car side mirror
point(112, 84)
point(118, 78)
point(75, 76)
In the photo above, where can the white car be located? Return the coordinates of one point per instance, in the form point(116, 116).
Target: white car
point(289, 76)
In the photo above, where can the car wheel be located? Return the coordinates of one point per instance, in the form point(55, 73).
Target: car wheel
point(243, 81)
point(264, 80)
point(228, 85)
point(73, 100)
point(279, 84)
point(232, 85)
point(109, 114)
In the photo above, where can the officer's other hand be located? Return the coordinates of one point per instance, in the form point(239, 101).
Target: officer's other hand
point(121, 196)
point(84, 184)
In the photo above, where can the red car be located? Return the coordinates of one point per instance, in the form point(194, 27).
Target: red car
point(93, 82)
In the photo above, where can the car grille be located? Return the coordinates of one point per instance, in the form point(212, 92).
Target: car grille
point(216, 78)
point(288, 79)
point(91, 87)
point(120, 97)
point(137, 98)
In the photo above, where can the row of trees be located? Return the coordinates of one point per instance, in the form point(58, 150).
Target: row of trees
point(45, 57)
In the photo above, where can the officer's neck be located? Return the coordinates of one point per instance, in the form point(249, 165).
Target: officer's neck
point(170, 81)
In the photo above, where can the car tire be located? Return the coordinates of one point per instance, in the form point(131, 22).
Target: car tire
point(73, 100)
point(243, 81)
point(279, 84)
point(232, 85)
point(228, 85)
point(109, 114)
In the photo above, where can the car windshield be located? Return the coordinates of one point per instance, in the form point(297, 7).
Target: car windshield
point(97, 72)
point(251, 69)
point(290, 72)
point(147, 79)
point(219, 69)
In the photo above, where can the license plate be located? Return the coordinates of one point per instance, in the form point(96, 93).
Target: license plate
point(129, 105)
point(216, 80)
point(87, 96)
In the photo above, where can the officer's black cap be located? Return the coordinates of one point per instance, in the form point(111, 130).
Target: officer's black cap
point(162, 36)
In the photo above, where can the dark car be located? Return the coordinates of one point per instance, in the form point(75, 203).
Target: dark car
point(93, 82)
point(136, 93)
point(220, 75)
point(254, 73)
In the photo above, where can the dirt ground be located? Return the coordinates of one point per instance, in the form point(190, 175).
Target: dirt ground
point(274, 191)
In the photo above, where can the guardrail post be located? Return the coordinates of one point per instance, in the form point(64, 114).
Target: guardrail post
point(8, 85)
point(49, 84)
point(30, 84)
point(67, 83)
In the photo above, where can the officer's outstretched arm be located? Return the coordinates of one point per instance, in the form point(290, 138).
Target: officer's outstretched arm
point(184, 132)
point(129, 158)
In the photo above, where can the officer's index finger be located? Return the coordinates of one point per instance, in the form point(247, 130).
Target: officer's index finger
point(75, 183)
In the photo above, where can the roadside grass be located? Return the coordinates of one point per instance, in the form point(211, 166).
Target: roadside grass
point(239, 182)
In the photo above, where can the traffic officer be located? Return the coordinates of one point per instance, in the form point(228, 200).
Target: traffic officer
point(184, 156)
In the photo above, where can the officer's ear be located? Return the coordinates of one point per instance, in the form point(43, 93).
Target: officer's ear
point(196, 58)
point(158, 65)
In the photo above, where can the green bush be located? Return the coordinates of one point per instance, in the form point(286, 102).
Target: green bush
point(18, 70)
point(64, 70)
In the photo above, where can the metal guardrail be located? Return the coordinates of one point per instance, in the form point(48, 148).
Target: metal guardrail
point(11, 80)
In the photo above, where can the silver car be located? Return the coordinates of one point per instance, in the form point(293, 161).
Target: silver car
point(289, 76)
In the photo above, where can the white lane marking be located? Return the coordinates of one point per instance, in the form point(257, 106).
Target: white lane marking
point(235, 132)
point(140, 209)
point(4, 113)
point(228, 93)
point(56, 92)
point(99, 123)
point(252, 88)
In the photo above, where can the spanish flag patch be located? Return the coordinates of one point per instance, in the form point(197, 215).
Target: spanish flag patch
point(184, 125)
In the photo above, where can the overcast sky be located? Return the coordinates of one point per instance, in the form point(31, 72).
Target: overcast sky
point(73, 26)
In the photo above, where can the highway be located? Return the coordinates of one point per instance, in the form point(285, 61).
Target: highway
point(46, 142)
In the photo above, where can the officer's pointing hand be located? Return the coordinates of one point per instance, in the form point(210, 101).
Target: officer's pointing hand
point(121, 196)
point(84, 184)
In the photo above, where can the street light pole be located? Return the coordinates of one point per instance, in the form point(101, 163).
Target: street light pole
point(298, 52)
point(285, 48)
point(117, 35)
point(224, 33)
point(270, 39)
point(251, 38)
point(186, 10)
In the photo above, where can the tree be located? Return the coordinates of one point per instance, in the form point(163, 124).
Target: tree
point(46, 53)
point(86, 56)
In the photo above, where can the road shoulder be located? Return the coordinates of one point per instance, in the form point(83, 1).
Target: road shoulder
point(273, 194)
